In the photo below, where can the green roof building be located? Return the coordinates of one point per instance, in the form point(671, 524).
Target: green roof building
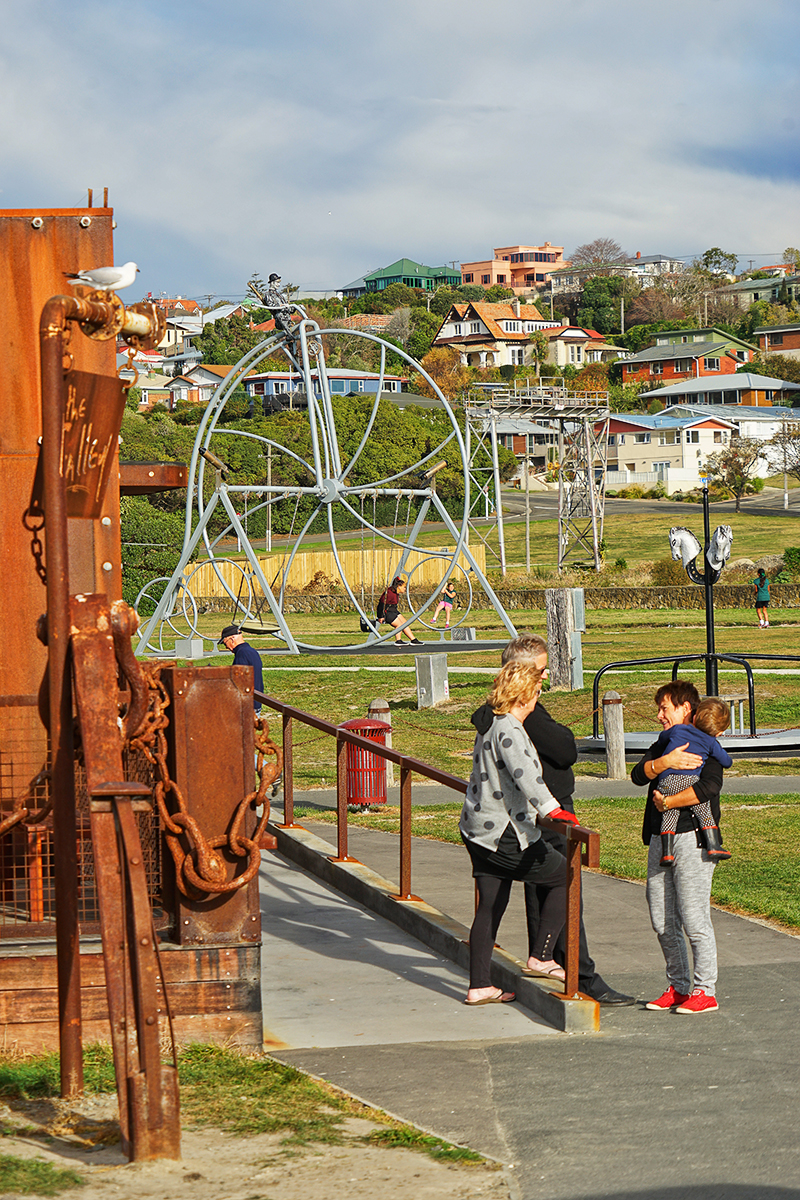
point(413, 275)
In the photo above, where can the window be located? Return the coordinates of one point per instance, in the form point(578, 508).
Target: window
point(621, 439)
point(575, 354)
point(666, 439)
point(775, 339)
point(530, 278)
point(486, 279)
point(468, 277)
point(698, 337)
point(656, 368)
point(516, 355)
point(692, 435)
point(661, 466)
point(642, 438)
point(474, 326)
point(258, 388)
point(711, 364)
point(501, 278)
point(459, 329)
point(662, 341)
point(717, 435)
point(512, 326)
point(612, 439)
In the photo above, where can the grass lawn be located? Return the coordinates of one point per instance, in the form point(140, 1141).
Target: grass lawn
point(223, 1089)
point(761, 880)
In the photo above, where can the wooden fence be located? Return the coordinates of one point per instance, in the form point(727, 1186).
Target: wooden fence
point(319, 567)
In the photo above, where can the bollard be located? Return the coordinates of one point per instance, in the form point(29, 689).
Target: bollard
point(379, 711)
point(615, 736)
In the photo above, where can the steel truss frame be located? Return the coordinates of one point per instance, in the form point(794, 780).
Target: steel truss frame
point(583, 419)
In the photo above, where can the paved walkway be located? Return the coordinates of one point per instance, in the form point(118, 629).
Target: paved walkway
point(656, 1106)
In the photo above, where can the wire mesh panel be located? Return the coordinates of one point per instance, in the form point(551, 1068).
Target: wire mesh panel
point(27, 850)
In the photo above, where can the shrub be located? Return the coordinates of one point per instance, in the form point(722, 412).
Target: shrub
point(621, 564)
point(791, 559)
point(666, 572)
point(657, 493)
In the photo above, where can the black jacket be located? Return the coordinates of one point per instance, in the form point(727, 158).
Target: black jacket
point(707, 787)
point(554, 744)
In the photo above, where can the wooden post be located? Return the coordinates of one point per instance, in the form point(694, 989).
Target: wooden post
point(615, 736)
point(560, 627)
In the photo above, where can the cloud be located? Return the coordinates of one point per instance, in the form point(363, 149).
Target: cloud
point(327, 140)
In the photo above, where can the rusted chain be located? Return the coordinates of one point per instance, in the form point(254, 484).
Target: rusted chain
point(201, 871)
point(21, 813)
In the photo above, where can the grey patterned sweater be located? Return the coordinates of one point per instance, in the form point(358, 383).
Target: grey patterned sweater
point(506, 784)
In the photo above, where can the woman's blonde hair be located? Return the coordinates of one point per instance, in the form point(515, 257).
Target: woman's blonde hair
point(516, 683)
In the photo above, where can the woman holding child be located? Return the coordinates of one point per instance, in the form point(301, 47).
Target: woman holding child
point(679, 889)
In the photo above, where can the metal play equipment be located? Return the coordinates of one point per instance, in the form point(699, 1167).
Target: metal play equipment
point(331, 485)
point(716, 551)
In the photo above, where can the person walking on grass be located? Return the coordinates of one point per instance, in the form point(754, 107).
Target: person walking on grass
point(761, 584)
point(244, 654)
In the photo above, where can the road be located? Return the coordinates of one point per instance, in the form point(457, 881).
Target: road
point(768, 503)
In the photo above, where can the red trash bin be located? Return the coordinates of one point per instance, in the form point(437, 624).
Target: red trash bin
point(366, 772)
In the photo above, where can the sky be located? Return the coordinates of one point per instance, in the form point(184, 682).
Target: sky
point(325, 140)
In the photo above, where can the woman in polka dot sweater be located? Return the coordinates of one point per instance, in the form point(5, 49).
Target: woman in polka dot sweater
point(505, 795)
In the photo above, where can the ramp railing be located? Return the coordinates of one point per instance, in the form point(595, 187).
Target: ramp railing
point(583, 845)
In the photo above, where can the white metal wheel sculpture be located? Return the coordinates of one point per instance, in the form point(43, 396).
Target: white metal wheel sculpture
point(329, 486)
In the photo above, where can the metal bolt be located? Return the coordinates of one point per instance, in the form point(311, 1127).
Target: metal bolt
point(150, 1021)
point(107, 566)
point(37, 222)
point(144, 941)
point(105, 521)
point(135, 862)
point(85, 222)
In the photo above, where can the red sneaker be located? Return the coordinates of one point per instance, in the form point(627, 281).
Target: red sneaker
point(698, 1002)
point(668, 1000)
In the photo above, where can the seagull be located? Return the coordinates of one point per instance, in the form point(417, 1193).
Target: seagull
point(105, 279)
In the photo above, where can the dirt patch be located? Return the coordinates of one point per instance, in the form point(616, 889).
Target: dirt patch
point(219, 1166)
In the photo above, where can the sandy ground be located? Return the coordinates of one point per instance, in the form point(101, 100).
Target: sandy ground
point(219, 1166)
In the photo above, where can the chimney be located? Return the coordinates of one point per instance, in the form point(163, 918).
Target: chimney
point(516, 305)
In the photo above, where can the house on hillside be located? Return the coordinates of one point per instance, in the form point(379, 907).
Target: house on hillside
point(749, 422)
point(571, 345)
point(197, 385)
point(412, 274)
point(491, 335)
point(666, 447)
point(289, 388)
point(749, 291)
point(524, 268)
point(742, 388)
point(646, 269)
point(680, 353)
point(779, 339)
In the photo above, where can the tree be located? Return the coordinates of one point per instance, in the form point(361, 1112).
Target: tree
point(776, 366)
point(791, 256)
point(651, 305)
point(602, 252)
point(444, 366)
point(718, 262)
point(736, 465)
point(783, 451)
point(424, 327)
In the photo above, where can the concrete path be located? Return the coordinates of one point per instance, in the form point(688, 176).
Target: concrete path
point(656, 1106)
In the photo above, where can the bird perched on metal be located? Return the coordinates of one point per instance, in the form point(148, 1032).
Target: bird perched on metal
point(105, 279)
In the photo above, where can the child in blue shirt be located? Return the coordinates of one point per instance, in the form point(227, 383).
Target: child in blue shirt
point(711, 717)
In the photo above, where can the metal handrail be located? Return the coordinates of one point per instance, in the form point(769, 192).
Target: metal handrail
point(741, 659)
point(583, 845)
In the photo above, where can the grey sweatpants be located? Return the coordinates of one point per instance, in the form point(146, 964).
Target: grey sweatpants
point(679, 897)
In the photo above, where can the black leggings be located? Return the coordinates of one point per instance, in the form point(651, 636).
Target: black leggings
point(539, 864)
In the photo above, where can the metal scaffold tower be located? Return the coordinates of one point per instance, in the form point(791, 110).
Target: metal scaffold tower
point(582, 420)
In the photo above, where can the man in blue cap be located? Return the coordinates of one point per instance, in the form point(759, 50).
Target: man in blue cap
point(243, 653)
